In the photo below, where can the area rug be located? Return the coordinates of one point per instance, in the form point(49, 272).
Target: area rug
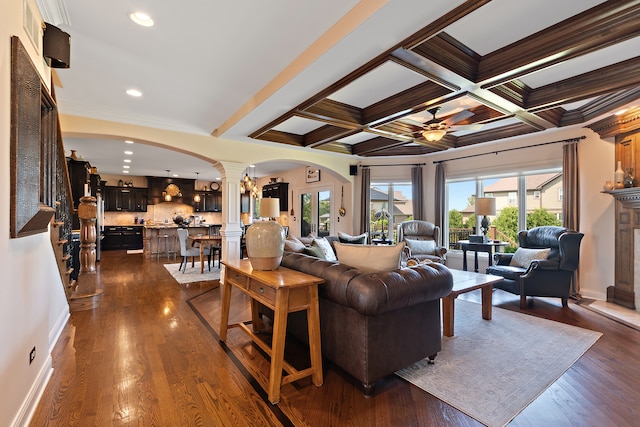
point(192, 274)
point(492, 369)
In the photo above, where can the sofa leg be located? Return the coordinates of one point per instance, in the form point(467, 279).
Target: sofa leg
point(565, 302)
point(432, 360)
point(368, 389)
point(523, 302)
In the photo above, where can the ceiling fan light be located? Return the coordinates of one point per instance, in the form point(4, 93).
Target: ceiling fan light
point(434, 135)
point(196, 198)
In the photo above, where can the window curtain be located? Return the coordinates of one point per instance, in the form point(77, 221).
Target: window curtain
point(365, 201)
point(417, 192)
point(439, 198)
point(570, 198)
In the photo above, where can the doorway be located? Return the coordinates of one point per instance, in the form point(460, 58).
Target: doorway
point(316, 211)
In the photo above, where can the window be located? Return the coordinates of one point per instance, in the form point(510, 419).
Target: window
point(390, 205)
point(522, 202)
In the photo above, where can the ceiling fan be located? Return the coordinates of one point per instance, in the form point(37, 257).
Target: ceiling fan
point(435, 129)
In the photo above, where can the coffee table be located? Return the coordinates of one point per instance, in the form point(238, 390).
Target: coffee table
point(467, 281)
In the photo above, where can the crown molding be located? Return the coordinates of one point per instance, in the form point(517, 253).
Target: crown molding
point(54, 12)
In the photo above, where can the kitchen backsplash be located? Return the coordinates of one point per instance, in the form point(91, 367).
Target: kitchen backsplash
point(157, 214)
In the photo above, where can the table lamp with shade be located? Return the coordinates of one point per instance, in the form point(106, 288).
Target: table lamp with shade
point(485, 206)
point(265, 239)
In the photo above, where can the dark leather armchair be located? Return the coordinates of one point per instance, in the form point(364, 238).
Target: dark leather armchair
point(549, 277)
point(422, 239)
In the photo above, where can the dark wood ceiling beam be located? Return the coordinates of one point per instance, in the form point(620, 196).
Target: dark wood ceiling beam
point(406, 102)
point(441, 23)
point(602, 105)
point(515, 91)
point(326, 134)
point(604, 25)
point(407, 150)
point(281, 137)
point(331, 110)
point(375, 144)
point(553, 115)
point(594, 83)
point(495, 134)
point(451, 54)
point(336, 147)
point(267, 128)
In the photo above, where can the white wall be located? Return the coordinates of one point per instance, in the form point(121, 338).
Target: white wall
point(33, 307)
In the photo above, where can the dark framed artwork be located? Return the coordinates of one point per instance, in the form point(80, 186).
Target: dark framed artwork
point(33, 129)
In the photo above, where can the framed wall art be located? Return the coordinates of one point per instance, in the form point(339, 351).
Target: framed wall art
point(313, 174)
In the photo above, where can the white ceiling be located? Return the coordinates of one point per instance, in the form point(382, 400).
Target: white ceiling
point(204, 60)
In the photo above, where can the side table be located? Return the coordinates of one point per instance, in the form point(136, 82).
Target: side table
point(284, 291)
point(478, 247)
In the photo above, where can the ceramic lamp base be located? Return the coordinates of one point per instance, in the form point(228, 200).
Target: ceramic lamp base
point(265, 245)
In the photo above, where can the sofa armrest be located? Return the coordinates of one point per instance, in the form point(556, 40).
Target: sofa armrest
point(440, 251)
point(377, 293)
point(502, 259)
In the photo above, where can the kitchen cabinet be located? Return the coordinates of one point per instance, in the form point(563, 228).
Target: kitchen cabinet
point(210, 201)
point(278, 190)
point(125, 199)
point(122, 237)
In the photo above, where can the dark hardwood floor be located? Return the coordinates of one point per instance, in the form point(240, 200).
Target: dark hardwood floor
point(149, 355)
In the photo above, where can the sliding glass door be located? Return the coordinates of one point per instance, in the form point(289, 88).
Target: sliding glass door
point(315, 209)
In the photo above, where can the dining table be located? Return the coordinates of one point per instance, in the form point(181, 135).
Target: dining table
point(204, 240)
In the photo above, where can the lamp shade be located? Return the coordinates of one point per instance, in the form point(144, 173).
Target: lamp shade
point(485, 206)
point(270, 207)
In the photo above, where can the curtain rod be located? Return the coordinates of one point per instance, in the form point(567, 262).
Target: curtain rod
point(397, 164)
point(511, 149)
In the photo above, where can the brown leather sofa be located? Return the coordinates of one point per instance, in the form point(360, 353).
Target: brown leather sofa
point(373, 324)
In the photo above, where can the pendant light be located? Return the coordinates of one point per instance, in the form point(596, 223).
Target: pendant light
point(165, 193)
point(196, 198)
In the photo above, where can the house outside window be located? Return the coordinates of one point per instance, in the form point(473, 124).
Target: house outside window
point(536, 195)
point(394, 198)
point(512, 198)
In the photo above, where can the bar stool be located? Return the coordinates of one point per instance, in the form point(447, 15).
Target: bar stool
point(168, 249)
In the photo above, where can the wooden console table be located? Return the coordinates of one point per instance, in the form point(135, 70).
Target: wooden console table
point(284, 291)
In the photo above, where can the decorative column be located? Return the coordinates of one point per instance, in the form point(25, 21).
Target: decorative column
point(231, 230)
point(87, 212)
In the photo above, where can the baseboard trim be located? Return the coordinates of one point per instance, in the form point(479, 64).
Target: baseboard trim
point(27, 409)
point(58, 327)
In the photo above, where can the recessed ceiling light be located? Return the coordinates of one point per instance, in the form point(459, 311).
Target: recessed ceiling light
point(127, 160)
point(134, 92)
point(141, 18)
point(175, 175)
point(128, 153)
point(125, 171)
point(126, 166)
point(128, 142)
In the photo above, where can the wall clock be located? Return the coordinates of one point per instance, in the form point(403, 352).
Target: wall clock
point(215, 186)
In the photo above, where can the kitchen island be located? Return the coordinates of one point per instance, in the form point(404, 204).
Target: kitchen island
point(154, 240)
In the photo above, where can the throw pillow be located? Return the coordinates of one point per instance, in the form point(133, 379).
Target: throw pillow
point(370, 258)
point(360, 239)
point(523, 256)
point(308, 240)
point(426, 247)
point(324, 244)
point(292, 244)
point(314, 251)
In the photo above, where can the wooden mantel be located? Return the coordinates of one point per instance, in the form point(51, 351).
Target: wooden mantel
point(629, 197)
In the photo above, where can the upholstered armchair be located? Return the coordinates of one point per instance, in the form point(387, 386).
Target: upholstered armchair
point(422, 240)
point(542, 266)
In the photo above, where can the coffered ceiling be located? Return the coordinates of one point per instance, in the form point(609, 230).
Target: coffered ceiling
point(542, 70)
point(350, 77)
